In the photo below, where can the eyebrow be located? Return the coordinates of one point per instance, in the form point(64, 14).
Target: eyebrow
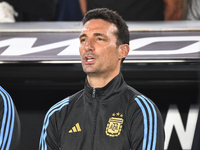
point(82, 35)
point(95, 34)
point(99, 34)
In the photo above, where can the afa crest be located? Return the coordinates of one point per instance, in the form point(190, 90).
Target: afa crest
point(114, 125)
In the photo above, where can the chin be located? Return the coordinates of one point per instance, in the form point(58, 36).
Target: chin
point(89, 72)
point(88, 69)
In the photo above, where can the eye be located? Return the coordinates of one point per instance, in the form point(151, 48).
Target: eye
point(82, 40)
point(100, 39)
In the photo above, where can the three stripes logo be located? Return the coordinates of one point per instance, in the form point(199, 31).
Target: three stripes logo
point(75, 128)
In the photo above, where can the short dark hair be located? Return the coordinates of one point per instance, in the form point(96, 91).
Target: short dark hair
point(112, 17)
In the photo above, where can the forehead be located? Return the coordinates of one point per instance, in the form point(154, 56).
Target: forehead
point(99, 25)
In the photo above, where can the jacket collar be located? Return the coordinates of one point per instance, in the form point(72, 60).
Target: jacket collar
point(115, 86)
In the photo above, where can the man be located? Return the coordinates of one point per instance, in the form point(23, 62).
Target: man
point(9, 123)
point(107, 114)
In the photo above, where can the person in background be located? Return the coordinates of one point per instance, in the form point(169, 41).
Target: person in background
point(68, 10)
point(134, 10)
point(173, 9)
point(107, 114)
point(143, 10)
point(40, 10)
point(10, 128)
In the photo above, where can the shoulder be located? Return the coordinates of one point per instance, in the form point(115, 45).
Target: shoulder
point(143, 104)
point(146, 105)
point(4, 96)
point(61, 107)
point(146, 118)
point(139, 98)
point(6, 100)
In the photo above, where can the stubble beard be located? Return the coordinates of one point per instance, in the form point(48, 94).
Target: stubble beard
point(93, 72)
point(90, 71)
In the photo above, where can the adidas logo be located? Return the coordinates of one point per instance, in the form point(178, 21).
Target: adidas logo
point(75, 128)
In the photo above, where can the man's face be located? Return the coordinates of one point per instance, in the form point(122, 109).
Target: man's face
point(98, 49)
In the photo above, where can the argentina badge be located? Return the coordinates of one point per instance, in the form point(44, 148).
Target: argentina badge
point(114, 125)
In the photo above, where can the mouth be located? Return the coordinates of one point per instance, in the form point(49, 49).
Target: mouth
point(89, 59)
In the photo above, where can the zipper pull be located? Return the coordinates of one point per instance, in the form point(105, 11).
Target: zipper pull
point(93, 93)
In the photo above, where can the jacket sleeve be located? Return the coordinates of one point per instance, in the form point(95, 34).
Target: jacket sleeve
point(10, 128)
point(147, 130)
point(50, 135)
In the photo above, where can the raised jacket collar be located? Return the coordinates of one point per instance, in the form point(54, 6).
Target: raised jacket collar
point(115, 86)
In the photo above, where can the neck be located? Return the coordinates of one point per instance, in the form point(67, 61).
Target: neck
point(99, 81)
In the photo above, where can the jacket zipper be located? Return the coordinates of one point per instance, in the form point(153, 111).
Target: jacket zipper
point(95, 119)
point(93, 93)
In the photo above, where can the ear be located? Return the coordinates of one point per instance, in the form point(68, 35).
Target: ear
point(123, 50)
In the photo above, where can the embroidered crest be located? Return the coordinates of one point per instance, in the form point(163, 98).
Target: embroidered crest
point(114, 125)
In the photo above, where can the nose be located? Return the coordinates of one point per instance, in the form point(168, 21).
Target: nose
point(89, 45)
